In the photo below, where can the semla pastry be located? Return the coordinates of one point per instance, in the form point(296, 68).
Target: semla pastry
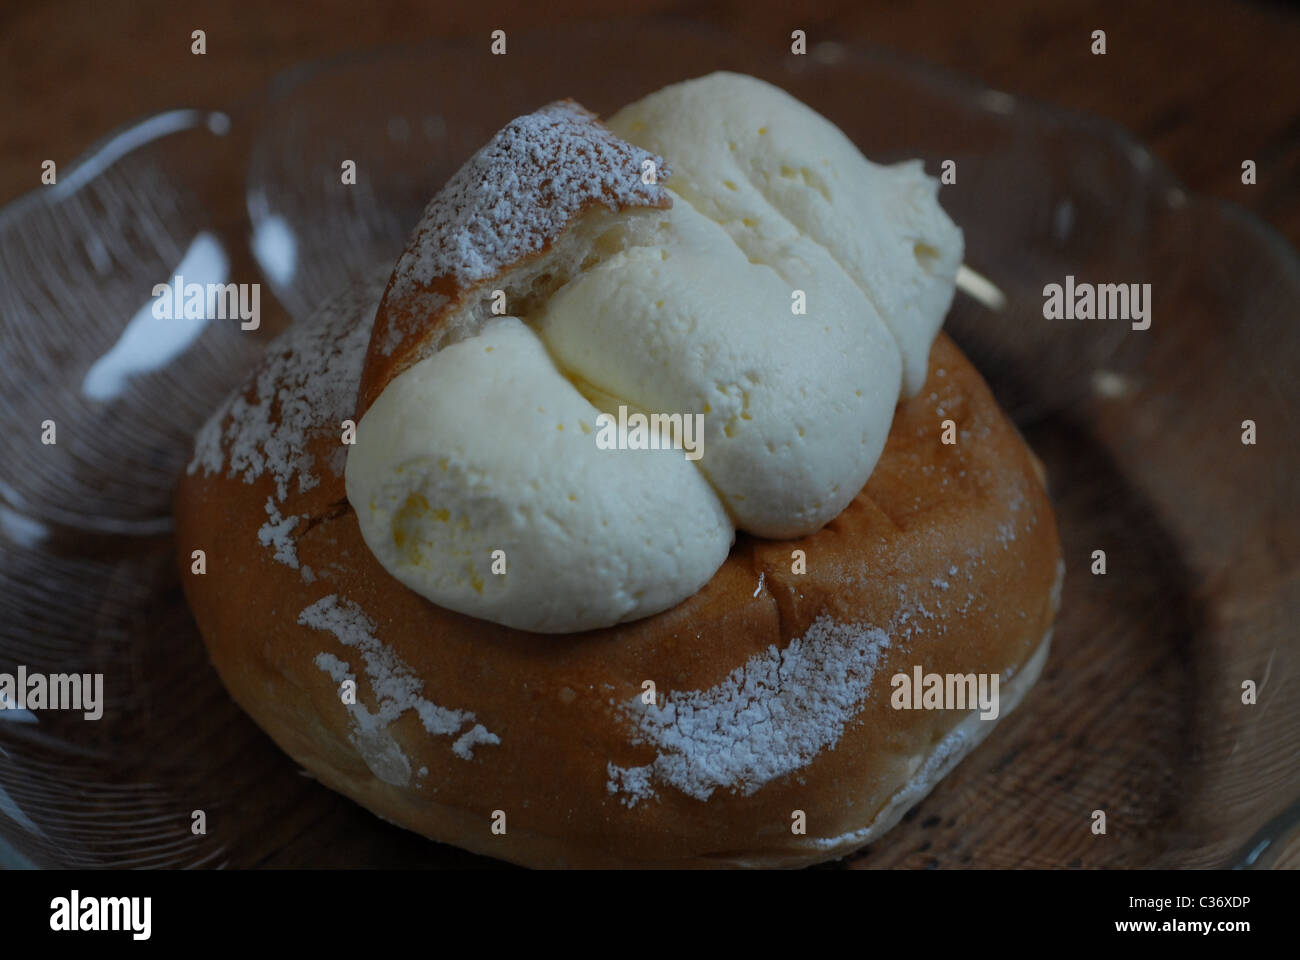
point(597, 531)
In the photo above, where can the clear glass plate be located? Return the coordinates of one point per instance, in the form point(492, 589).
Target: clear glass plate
point(1139, 711)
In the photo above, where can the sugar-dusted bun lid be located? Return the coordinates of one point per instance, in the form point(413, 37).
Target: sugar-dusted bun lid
point(509, 217)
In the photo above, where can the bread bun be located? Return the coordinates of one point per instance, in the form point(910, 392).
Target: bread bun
point(771, 685)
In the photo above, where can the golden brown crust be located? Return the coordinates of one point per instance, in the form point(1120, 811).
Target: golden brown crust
point(951, 551)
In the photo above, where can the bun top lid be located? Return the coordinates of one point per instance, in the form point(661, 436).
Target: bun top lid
point(505, 207)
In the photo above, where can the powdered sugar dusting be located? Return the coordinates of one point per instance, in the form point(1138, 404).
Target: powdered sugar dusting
point(394, 683)
point(768, 718)
point(377, 747)
point(464, 747)
point(277, 532)
point(518, 192)
point(307, 382)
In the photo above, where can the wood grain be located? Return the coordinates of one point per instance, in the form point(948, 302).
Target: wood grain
point(1205, 86)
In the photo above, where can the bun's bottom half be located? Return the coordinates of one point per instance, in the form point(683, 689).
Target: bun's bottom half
point(772, 684)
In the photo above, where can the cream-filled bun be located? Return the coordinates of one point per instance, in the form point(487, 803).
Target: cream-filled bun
point(352, 600)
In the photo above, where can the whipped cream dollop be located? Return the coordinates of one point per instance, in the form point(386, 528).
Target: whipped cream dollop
point(787, 300)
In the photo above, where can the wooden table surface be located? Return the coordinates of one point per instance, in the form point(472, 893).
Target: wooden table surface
point(1205, 85)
